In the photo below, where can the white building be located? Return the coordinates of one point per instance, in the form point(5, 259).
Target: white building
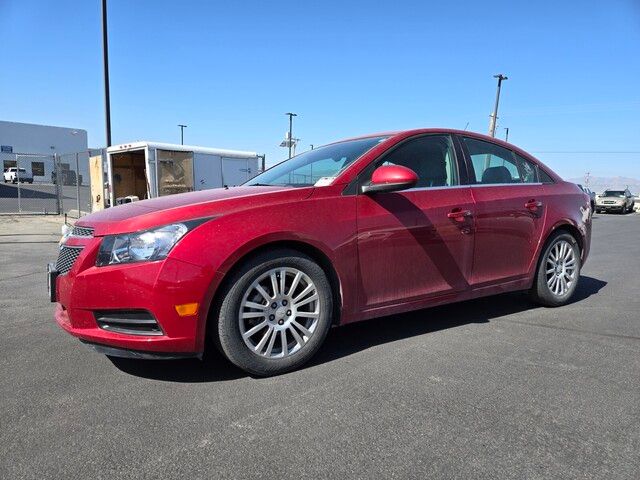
point(34, 146)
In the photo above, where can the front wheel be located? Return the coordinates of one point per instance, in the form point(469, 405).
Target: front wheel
point(558, 271)
point(275, 313)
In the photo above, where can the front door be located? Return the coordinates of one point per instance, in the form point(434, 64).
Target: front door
point(510, 212)
point(417, 243)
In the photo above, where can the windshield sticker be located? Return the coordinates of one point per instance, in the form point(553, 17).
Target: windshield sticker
point(324, 181)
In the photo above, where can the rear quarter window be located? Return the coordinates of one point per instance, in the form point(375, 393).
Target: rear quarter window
point(543, 176)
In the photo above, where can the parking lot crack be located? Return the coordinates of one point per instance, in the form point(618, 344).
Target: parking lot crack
point(590, 332)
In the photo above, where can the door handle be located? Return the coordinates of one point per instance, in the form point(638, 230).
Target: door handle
point(533, 205)
point(459, 215)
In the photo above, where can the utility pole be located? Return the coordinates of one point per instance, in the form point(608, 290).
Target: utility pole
point(182, 127)
point(105, 59)
point(494, 116)
point(506, 137)
point(291, 115)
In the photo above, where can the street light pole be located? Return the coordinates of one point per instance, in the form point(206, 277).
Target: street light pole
point(105, 59)
point(291, 115)
point(494, 116)
point(506, 137)
point(182, 127)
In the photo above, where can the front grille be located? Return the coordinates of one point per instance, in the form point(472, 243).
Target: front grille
point(66, 258)
point(130, 322)
point(82, 231)
point(609, 202)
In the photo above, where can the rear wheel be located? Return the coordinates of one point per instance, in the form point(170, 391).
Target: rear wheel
point(275, 313)
point(558, 271)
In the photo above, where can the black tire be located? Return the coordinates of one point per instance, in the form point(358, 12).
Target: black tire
point(541, 292)
point(225, 329)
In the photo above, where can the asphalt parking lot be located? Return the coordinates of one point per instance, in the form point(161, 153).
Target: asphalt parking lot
point(493, 388)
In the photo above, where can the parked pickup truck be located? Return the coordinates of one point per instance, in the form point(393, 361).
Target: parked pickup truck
point(13, 175)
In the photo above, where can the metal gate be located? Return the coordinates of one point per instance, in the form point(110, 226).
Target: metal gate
point(44, 184)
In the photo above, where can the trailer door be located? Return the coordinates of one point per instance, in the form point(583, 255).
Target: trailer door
point(235, 171)
point(97, 179)
point(207, 170)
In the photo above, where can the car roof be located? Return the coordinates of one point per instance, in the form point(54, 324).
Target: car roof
point(451, 131)
point(420, 131)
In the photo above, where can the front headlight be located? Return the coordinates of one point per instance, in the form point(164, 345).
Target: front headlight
point(140, 246)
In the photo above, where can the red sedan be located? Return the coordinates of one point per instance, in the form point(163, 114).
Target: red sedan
point(361, 228)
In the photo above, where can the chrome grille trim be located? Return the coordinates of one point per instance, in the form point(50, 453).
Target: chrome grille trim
point(66, 258)
point(82, 231)
point(129, 322)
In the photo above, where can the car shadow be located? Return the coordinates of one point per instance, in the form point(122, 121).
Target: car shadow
point(353, 338)
point(212, 368)
point(350, 339)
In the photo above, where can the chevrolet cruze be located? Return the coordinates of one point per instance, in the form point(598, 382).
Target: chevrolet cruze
point(362, 228)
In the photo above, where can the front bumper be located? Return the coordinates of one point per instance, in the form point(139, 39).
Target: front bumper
point(610, 208)
point(126, 353)
point(156, 287)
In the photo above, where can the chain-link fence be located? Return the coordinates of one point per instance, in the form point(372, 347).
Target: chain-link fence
point(45, 184)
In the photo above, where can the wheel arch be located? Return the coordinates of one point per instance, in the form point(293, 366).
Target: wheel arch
point(570, 228)
point(312, 251)
point(563, 225)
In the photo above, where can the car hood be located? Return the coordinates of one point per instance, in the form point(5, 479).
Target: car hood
point(611, 197)
point(155, 212)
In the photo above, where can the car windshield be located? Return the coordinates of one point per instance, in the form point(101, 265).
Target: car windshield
point(614, 193)
point(316, 166)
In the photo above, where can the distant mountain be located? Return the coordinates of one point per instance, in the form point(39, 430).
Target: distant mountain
point(600, 184)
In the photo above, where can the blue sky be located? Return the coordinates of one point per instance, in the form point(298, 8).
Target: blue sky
point(230, 70)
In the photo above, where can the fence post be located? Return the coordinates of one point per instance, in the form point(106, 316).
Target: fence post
point(57, 184)
point(78, 184)
point(18, 183)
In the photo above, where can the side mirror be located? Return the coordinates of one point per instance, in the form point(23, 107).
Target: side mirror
point(390, 178)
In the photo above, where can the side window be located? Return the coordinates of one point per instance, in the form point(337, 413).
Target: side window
point(493, 164)
point(529, 170)
point(544, 176)
point(431, 157)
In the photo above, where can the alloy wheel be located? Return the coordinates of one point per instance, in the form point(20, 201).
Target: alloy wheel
point(561, 267)
point(279, 312)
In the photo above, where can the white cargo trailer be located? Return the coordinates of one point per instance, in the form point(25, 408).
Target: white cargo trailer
point(149, 170)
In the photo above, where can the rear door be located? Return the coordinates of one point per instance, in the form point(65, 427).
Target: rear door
point(417, 243)
point(510, 212)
